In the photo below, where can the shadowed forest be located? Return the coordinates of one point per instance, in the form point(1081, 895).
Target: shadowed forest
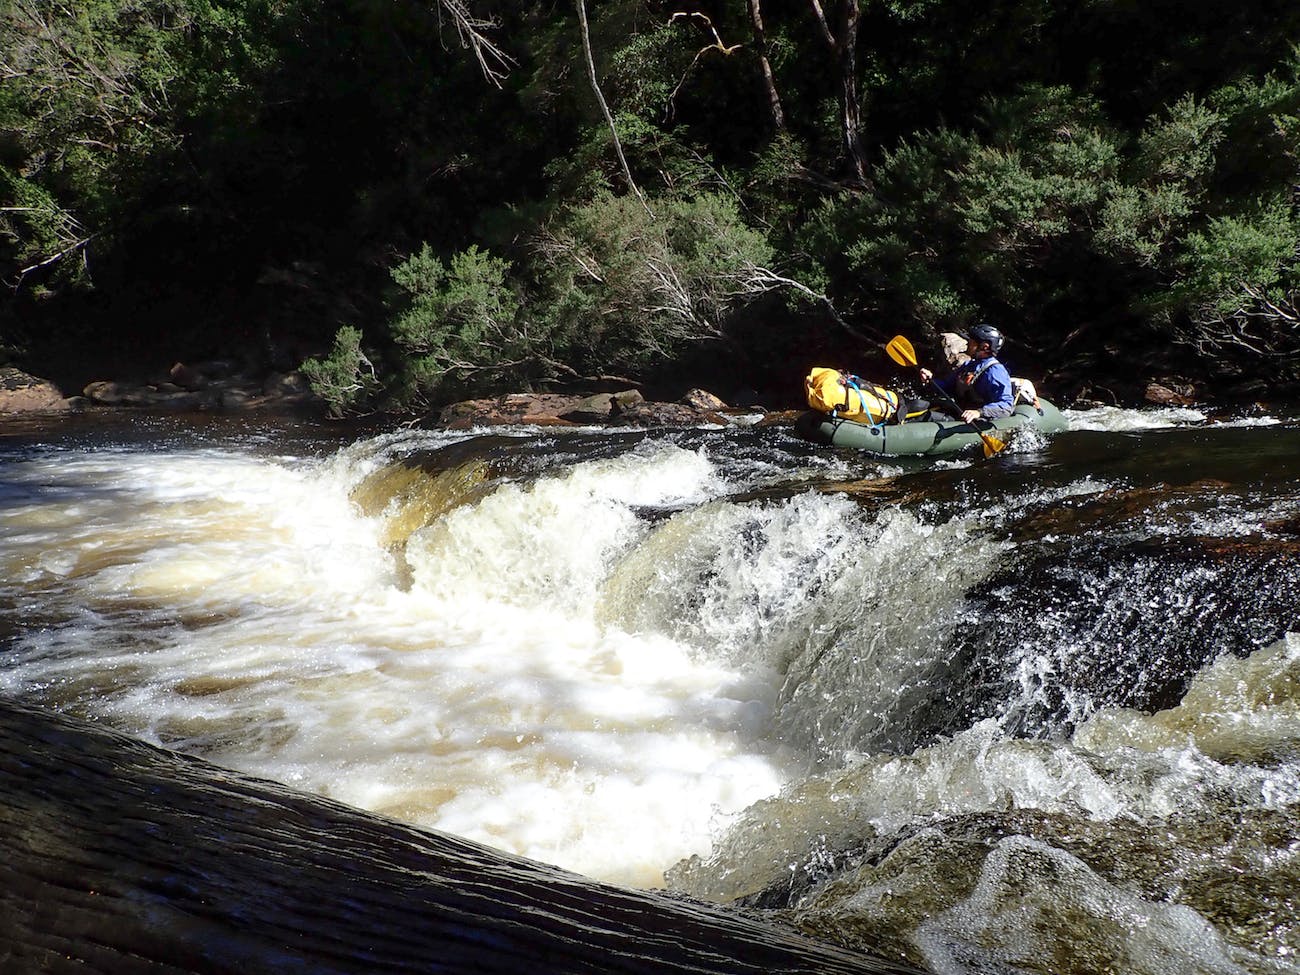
point(428, 199)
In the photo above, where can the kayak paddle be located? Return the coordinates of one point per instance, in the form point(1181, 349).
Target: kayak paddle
point(901, 351)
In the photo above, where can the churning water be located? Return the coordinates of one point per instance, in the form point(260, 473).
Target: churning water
point(1038, 714)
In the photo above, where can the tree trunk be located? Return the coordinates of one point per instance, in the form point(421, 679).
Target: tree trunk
point(845, 48)
point(122, 858)
point(765, 66)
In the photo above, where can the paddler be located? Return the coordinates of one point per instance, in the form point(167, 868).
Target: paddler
point(981, 385)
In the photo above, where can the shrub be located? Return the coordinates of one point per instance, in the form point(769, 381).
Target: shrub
point(345, 378)
point(456, 324)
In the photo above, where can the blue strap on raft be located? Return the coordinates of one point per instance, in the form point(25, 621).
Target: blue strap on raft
point(852, 383)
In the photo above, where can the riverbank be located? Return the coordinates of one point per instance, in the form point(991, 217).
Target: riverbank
point(226, 386)
point(220, 386)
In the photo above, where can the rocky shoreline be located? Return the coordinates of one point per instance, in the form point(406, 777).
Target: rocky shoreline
point(206, 386)
point(222, 387)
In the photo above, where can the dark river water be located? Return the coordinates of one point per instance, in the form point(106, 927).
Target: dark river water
point(1039, 713)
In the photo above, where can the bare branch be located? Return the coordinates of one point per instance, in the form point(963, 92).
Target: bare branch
point(1262, 326)
point(573, 374)
point(604, 107)
point(717, 45)
point(761, 280)
point(493, 62)
point(717, 40)
point(73, 248)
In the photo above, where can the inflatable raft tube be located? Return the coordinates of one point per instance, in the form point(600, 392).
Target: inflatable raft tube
point(904, 439)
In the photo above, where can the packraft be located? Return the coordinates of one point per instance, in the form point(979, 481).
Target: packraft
point(848, 397)
point(927, 436)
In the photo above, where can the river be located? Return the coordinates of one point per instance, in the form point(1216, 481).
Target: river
point(1039, 713)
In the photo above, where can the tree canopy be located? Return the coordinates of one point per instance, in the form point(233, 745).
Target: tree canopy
point(428, 197)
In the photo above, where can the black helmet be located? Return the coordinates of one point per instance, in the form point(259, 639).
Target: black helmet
point(986, 333)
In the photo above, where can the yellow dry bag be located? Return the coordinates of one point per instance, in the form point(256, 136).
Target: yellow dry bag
point(831, 391)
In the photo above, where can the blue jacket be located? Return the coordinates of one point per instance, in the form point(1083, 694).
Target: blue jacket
point(989, 392)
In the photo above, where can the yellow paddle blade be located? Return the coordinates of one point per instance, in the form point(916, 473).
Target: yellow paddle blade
point(901, 351)
point(992, 444)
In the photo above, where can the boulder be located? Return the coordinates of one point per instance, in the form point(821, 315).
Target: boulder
point(106, 392)
point(702, 399)
point(21, 393)
point(206, 387)
point(954, 348)
point(513, 408)
point(628, 397)
point(287, 385)
point(187, 377)
point(593, 409)
point(233, 399)
point(625, 408)
point(1169, 394)
point(649, 414)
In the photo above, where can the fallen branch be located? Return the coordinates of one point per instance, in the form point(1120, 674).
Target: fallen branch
point(52, 259)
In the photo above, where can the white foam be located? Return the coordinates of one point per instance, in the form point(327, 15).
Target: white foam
point(244, 610)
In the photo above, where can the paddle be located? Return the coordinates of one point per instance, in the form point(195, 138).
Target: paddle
point(901, 351)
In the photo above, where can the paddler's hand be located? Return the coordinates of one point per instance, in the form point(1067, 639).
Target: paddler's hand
point(970, 416)
point(926, 374)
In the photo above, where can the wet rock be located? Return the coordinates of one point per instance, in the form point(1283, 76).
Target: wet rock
point(625, 408)
point(182, 401)
point(1170, 394)
point(1285, 526)
point(233, 399)
point(21, 393)
point(189, 389)
point(780, 418)
point(187, 376)
point(110, 393)
point(513, 408)
point(702, 399)
point(145, 861)
point(1140, 618)
point(649, 414)
point(593, 409)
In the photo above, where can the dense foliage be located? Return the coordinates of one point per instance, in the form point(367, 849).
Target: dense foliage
point(425, 198)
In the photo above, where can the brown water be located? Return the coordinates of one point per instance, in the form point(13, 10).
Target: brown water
point(1034, 714)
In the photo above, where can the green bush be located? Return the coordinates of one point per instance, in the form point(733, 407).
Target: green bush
point(345, 378)
point(622, 289)
point(1238, 263)
point(456, 325)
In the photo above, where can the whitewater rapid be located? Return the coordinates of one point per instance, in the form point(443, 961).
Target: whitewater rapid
point(723, 662)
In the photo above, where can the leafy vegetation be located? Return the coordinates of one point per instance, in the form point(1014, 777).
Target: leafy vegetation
point(423, 199)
